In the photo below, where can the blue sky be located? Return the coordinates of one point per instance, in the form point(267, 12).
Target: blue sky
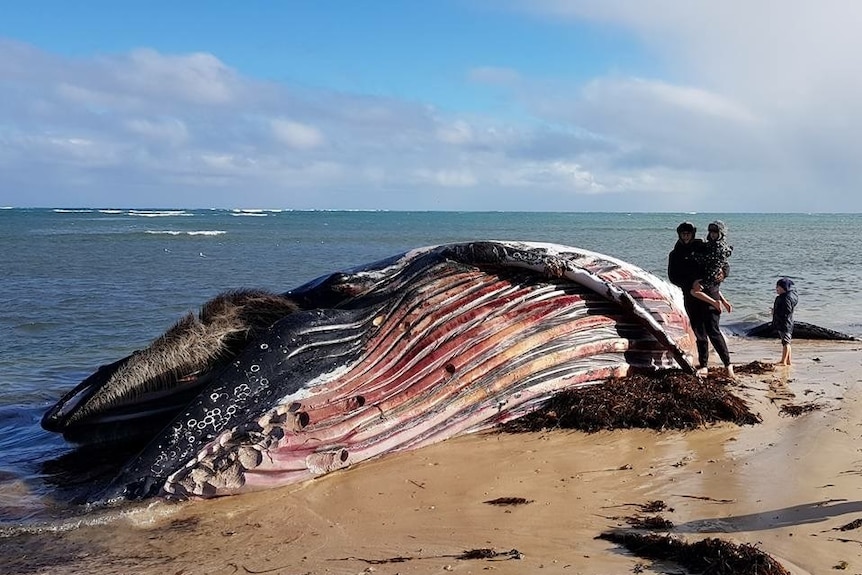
point(561, 105)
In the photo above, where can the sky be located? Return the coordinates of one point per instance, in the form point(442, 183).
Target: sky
point(513, 105)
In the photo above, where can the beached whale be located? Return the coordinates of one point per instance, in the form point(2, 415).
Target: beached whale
point(261, 390)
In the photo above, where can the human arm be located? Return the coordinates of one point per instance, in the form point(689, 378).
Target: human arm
point(698, 292)
point(724, 301)
point(673, 269)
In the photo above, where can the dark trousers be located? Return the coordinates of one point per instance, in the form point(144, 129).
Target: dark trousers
point(704, 323)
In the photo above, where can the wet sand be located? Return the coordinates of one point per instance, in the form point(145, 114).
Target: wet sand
point(786, 485)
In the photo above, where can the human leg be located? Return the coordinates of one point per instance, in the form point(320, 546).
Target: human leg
point(785, 349)
point(718, 342)
point(697, 313)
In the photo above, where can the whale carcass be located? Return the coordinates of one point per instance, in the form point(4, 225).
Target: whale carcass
point(261, 390)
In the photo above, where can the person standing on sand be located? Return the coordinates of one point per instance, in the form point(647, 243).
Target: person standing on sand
point(708, 323)
point(782, 316)
point(683, 269)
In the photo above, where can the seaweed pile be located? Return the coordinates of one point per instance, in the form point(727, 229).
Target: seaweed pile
point(668, 399)
point(713, 556)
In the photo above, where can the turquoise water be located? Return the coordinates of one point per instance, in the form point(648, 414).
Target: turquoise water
point(82, 288)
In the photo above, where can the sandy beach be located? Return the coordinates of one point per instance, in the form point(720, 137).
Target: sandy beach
point(786, 485)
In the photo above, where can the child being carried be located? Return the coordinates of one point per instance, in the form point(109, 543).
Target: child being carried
point(713, 260)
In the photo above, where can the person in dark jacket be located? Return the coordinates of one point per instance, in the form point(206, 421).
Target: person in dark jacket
point(782, 316)
point(682, 264)
point(683, 268)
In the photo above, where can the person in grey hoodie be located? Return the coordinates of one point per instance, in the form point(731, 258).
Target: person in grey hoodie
point(782, 316)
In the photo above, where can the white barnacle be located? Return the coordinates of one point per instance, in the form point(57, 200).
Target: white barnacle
point(264, 346)
point(200, 474)
point(249, 457)
point(255, 368)
point(326, 461)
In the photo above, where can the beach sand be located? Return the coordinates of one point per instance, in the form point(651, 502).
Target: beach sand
point(785, 485)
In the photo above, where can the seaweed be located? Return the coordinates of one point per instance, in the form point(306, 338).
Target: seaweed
point(667, 399)
point(654, 506)
point(713, 556)
point(795, 410)
point(502, 501)
point(850, 526)
point(755, 368)
point(652, 522)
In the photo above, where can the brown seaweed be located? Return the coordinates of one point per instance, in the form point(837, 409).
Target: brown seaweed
point(668, 399)
point(850, 526)
point(654, 506)
point(755, 368)
point(795, 410)
point(655, 522)
point(713, 556)
point(503, 501)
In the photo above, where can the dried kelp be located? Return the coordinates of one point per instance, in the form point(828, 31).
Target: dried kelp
point(482, 553)
point(490, 554)
point(505, 501)
point(850, 526)
point(713, 556)
point(666, 400)
point(654, 506)
point(795, 410)
point(755, 368)
point(654, 522)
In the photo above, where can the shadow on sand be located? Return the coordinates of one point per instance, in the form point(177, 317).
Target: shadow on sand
point(787, 516)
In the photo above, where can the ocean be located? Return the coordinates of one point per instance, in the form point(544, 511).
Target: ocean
point(81, 288)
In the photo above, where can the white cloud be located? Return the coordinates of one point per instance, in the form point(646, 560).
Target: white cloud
point(197, 78)
point(658, 124)
point(170, 132)
point(766, 97)
point(451, 178)
point(458, 132)
point(748, 100)
point(297, 135)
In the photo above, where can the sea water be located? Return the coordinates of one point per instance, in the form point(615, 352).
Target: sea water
point(81, 288)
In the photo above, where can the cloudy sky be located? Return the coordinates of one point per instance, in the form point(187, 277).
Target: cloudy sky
point(563, 105)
